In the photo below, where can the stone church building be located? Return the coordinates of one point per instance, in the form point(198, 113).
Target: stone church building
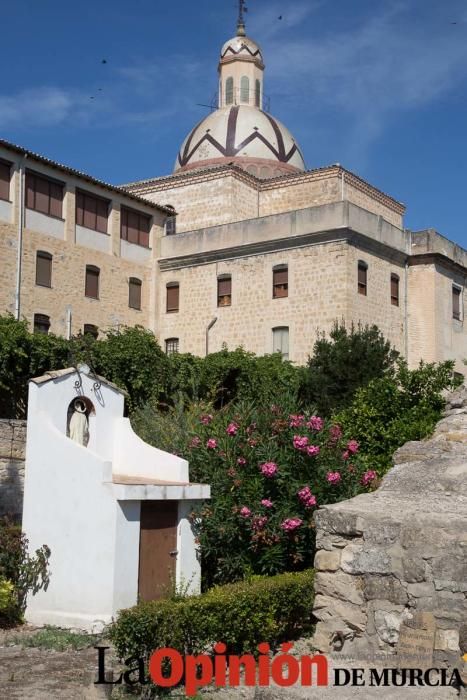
point(240, 245)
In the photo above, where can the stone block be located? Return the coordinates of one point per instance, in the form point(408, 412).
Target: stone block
point(340, 585)
point(358, 560)
point(421, 590)
point(387, 625)
point(340, 523)
point(384, 588)
point(327, 561)
point(327, 609)
point(382, 534)
point(413, 568)
point(447, 640)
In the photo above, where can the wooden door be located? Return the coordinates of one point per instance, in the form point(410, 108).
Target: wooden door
point(157, 548)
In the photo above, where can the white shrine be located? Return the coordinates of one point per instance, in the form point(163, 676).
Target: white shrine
point(113, 510)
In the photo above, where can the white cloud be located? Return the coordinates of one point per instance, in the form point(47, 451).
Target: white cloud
point(46, 106)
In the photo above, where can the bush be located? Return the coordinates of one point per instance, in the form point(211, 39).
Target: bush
point(344, 362)
point(262, 609)
point(390, 411)
point(22, 572)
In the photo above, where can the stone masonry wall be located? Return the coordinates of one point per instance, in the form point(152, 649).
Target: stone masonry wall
point(393, 563)
point(12, 454)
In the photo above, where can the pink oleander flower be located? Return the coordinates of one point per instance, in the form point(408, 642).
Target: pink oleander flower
point(368, 477)
point(312, 450)
point(300, 443)
point(335, 433)
point(296, 421)
point(268, 469)
point(196, 442)
point(291, 524)
point(306, 497)
point(266, 503)
point(353, 446)
point(206, 419)
point(245, 512)
point(241, 461)
point(259, 522)
point(211, 444)
point(315, 423)
point(232, 429)
point(333, 477)
point(346, 455)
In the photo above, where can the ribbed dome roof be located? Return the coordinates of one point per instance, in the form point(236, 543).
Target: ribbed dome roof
point(241, 46)
point(245, 136)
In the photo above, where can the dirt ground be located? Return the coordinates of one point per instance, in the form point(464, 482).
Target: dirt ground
point(39, 674)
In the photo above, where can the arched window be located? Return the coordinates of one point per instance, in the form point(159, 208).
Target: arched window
point(258, 93)
point(280, 281)
point(280, 341)
point(224, 290)
point(245, 89)
point(395, 289)
point(362, 277)
point(134, 293)
point(171, 346)
point(173, 297)
point(91, 329)
point(41, 323)
point(91, 287)
point(43, 269)
point(229, 91)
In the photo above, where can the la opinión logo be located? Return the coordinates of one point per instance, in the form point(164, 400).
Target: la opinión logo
point(168, 668)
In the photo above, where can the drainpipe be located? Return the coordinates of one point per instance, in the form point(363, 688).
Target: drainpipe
point(19, 256)
point(68, 322)
point(207, 333)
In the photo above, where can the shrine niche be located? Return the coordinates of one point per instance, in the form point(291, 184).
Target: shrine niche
point(113, 510)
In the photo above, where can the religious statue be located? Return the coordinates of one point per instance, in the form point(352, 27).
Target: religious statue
point(79, 426)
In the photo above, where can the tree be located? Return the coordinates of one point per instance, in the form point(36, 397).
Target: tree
point(344, 362)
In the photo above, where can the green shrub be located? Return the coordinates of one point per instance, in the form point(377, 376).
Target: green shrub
point(344, 362)
point(7, 597)
point(26, 573)
point(262, 609)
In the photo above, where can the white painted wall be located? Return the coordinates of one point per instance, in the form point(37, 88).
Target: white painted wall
point(93, 239)
point(36, 221)
point(6, 211)
point(135, 253)
point(90, 523)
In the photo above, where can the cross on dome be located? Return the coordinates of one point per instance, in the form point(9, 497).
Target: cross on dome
point(242, 8)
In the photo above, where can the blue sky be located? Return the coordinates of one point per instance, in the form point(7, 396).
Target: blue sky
point(378, 86)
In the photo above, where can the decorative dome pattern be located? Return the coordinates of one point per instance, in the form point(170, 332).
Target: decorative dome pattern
point(245, 136)
point(241, 46)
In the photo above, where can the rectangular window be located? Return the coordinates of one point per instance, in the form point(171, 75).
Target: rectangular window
point(135, 227)
point(90, 329)
point(134, 293)
point(173, 297)
point(456, 303)
point(5, 178)
point(43, 269)
point(362, 277)
point(171, 226)
point(280, 282)
point(171, 346)
point(91, 211)
point(395, 290)
point(280, 341)
point(91, 287)
point(41, 323)
point(44, 195)
point(224, 290)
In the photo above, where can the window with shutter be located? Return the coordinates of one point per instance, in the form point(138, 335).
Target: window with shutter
point(5, 179)
point(90, 329)
point(280, 282)
point(456, 303)
point(92, 212)
point(280, 341)
point(135, 227)
point(134, 293)
point(224, 290)
point(41, 323)
point(362, 277)
point(91, 288)
point(44, 195)
point(171, 346)
point(43, 269)
point(173, 297)
point(395, 290)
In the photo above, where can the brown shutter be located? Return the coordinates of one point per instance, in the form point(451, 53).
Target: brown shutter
point(173, 297)
point(280, 282)
point(92, 282)
point(80, 209)
point(132, 227)
point(123, 224)
point(30, 189)
point(144, 230)
point(90, 212)
point(394, 290)
point(44, 269)
point(134, 287)
point(56, 199)
point(281, 276)
point(102, 215)
point(5, 176)
point(456, 308)
point(225, 286)
point(42, 195)
point(362, 278)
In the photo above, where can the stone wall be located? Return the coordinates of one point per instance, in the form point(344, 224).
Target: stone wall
point(392, 564)
point(12, 455)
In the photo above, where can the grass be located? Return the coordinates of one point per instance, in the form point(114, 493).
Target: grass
point(57, 639)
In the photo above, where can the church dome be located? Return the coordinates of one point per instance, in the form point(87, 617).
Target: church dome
point(241, 46)
point(245, 136)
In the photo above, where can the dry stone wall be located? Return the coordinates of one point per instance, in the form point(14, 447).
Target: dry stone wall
point(392, 565)
point(12, 454)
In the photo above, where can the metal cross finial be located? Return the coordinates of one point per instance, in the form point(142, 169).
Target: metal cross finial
point(242, 8)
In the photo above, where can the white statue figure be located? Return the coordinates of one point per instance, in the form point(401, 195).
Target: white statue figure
point(79, 427)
